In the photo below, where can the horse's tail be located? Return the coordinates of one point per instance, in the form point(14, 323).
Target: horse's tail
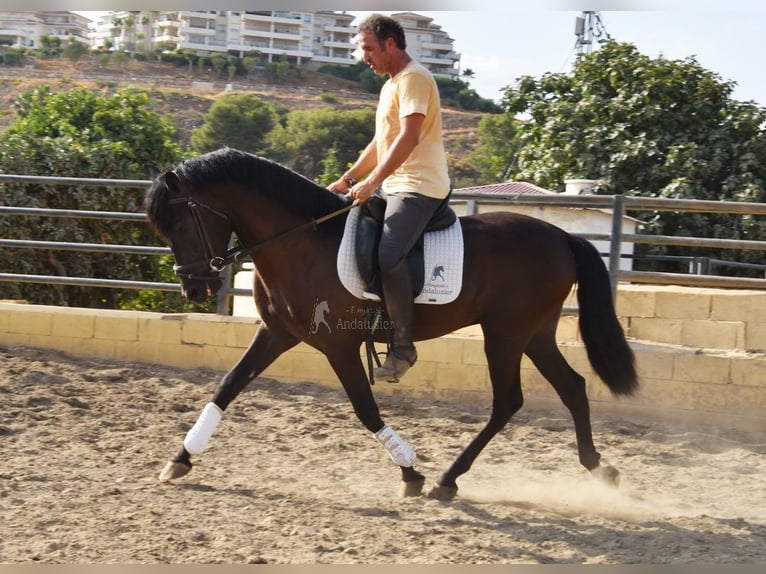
point(608, 350)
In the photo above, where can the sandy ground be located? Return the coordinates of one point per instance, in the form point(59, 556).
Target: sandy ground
point(292, 477)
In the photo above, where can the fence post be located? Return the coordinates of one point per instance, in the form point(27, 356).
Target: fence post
point(615, 245)
point(222, 297)
point(227, 282)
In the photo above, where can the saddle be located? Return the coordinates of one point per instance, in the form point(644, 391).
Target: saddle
point(369, 231)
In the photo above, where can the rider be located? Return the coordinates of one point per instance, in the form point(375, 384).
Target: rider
point(406, 165)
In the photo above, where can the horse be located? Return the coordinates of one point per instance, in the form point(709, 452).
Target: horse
point(517, 272)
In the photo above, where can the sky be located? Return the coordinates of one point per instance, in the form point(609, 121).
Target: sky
point(499, 41)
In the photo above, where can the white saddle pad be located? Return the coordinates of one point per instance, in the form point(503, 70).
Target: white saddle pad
point(443, 255)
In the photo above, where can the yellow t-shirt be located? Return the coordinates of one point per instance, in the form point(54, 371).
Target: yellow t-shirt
point(413, 90)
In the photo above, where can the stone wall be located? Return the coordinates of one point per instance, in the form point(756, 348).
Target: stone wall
point(701, 353)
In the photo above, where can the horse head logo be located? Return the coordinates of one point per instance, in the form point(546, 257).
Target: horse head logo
point(320, 308)
point(438, 273)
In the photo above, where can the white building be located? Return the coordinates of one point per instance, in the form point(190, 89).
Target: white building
point(429, 44)
point(303, 37)
point(24, 29)
point(323, 37)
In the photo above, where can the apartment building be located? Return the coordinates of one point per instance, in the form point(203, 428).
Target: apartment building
point(307, 38)
point(429, 44)
point(24, 29)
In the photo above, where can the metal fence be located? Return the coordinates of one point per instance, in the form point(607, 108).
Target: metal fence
point(619, 206)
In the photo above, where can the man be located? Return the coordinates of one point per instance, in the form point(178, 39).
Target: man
point(404, 163)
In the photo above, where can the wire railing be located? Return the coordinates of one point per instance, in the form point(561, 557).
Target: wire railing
point(618, 205)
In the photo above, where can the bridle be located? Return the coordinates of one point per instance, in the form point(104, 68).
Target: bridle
point(215, 263)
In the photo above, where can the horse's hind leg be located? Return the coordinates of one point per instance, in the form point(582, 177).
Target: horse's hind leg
point(348, 366)
point(504, 362)
point(570, 386)
point(265, 347)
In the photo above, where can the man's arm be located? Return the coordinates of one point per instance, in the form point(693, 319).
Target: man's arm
point(366, 162)
point(400, 150)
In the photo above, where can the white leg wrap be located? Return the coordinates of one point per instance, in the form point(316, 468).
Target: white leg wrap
point(401, 453)
point(198, 436)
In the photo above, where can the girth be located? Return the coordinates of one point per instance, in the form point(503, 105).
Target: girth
point(369, 230)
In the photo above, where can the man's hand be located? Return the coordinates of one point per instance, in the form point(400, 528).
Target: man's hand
point(363, 191)
point(339, 186)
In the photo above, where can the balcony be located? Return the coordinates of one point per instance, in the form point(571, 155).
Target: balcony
point(269, 17)
point(191, 30)
point(201, 14)
point(436, 45)
point(172, 38)
point(256, 30)
point(334, 59)
point(435, 61)
point(210, 45)
point(336, 44)
point(339, 29)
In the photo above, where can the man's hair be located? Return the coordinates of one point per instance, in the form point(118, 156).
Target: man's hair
point(384, 27)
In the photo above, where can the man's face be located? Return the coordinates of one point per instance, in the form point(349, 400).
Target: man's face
point(374, 54)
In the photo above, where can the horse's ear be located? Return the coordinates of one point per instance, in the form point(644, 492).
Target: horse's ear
point(152, 170)
point(172, 182)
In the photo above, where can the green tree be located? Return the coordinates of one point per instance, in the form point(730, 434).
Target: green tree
point(278, 71)
point(332, 168)
point(240, 121)
point(12, 56)
point(81, 133)
point(119, 59)
point(371, 81)
point(457, 93)
point(303, 142)
point(202, 61)
point(650, 127)
point(50, 47)
point(189, 56)
point(219, 62)
point(250, 63)
point(493, 159)
point(74, 50)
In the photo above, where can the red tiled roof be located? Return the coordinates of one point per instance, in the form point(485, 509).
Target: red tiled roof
point(510, 187)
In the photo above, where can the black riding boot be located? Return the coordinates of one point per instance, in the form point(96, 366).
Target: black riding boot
point(397, 295)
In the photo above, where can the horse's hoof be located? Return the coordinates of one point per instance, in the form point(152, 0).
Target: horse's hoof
point(607, 474)
point(174, 470)
point(412, 488)
point(441, 492)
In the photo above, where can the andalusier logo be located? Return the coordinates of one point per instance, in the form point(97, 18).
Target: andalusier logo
point(320, 309)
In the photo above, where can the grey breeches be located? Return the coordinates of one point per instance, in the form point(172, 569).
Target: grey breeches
point(406, 217)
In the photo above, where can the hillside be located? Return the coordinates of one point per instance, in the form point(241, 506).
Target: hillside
point(186, 96)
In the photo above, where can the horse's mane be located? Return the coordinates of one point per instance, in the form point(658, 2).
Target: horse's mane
point(295, 192)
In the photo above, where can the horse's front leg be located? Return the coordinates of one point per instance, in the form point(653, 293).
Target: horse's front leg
point(266, 346)
point(348, 366)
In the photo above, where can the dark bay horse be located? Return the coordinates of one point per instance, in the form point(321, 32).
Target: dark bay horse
point(517, 273)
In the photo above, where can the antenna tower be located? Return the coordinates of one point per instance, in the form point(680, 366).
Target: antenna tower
point(589, 27)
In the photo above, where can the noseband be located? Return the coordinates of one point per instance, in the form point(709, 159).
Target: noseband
point(214, 263)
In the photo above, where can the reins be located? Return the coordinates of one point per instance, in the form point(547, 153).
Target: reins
point(215, 263)
point(235, 253)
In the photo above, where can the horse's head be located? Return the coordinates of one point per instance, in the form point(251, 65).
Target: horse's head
point(198, 234)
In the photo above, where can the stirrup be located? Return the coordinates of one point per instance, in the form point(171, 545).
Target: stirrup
point(394, 367)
